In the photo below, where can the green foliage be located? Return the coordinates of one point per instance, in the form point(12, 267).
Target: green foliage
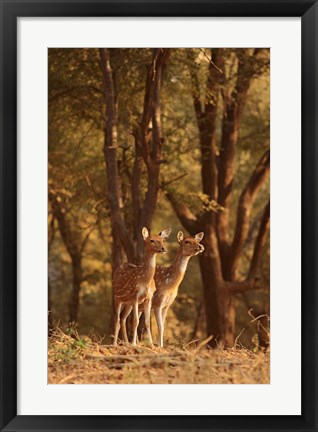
point(68, 347)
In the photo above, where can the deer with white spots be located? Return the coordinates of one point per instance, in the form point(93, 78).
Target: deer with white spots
point(168, 279)
point(134, 285)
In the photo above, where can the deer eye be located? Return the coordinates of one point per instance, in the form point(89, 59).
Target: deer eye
point(152, 241)
point(187, 242)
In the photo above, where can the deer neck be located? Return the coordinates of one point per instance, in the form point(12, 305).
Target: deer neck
point(180, 265)
point(149, 266)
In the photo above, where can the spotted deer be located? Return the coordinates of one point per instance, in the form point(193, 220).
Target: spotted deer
point(168, 279)
point(134, 285)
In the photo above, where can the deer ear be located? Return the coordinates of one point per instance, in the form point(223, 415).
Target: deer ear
point(145, 233)
point(180, 236)
point(199, 236)
point(165, 233)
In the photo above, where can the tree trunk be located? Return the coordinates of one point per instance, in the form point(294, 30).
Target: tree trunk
point(119, 229)
point(118, 258)
point(75, 246)
point(210, 290)
point(219, 305)
point(51, 235)
point(76, 288)
point(227, 315)
point(49, 305)
point(199, 319)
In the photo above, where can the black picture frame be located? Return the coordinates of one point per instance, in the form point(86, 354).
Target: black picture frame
point(10, 11)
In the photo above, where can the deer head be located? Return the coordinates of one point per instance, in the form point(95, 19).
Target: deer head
point(190, 246)
point(155, 243)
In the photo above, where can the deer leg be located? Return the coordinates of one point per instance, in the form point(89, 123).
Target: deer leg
point(158, 316)
point(117, 321)
point(123, 319)
point(164, 314)
point(135, 322)
point(139, 315)
point(147, 310)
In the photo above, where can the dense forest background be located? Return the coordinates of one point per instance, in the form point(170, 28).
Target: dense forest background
point(158, 138)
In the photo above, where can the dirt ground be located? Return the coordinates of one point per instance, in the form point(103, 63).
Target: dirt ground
point(82, 361)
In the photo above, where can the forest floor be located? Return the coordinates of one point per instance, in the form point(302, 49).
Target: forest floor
point(79, 360)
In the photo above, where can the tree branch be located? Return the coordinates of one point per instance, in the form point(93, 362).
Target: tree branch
point(260, 242)
point(207, 126)
point(135, 185)
point(149, 145)
point(206, 119)
point(66, 91)
point(70, 238)
point(232, 113)
point(249, 284)
point(153, 80)
point(110, 154)
point(184, 214)
point(153, 167)
point(245, 206)
point(210, 60)
point(86, 238)
point(196, 96)
point(51, 233)
point(214, 80)
point(165, 184)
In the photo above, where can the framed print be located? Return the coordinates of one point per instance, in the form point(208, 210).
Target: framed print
point(158, 215)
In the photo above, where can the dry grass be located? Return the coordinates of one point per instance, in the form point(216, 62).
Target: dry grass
point(75, 360)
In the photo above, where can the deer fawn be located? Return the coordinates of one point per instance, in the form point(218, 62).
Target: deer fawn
point(134, 285)
point(168, 279)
